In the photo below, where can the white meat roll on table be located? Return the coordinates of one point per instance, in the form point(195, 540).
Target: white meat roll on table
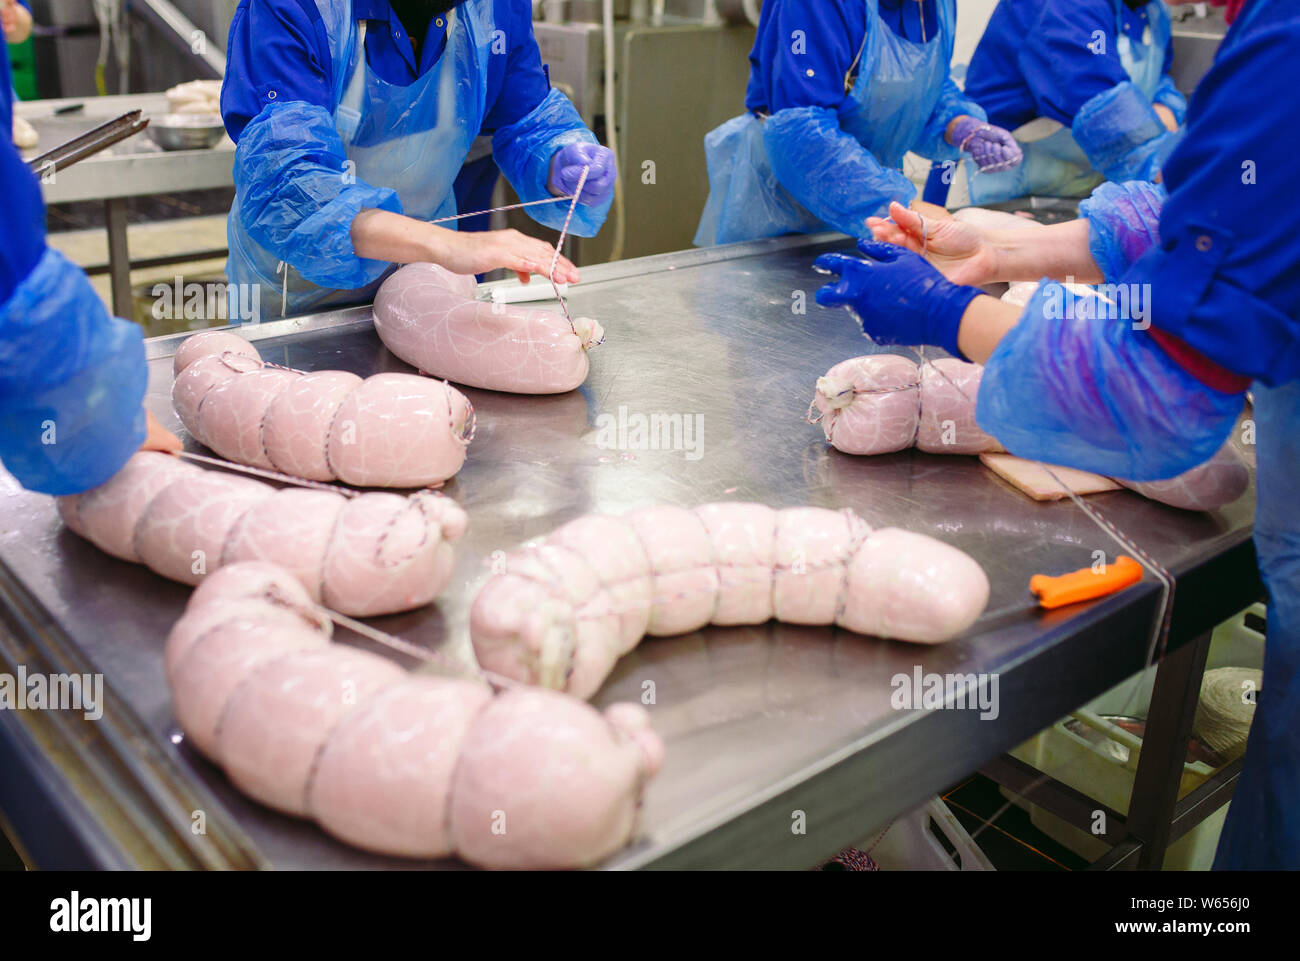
point(566, 609)
point(883, 403)
point(403, 764)
point(388, 430)
point(430, 318)
point(376, 553)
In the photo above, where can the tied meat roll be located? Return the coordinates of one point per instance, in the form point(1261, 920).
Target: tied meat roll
point(563, 611)
point(883, 403)
point(388, 430)
point(376, 553)
point(403, 764)
point(429, 317)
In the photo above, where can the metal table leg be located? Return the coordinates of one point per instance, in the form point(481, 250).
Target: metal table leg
point(1164, 750)
point(119, 257)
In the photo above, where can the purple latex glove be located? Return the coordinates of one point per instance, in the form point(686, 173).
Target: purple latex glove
point(897, 296)
point(566, 171)
point(992, 147)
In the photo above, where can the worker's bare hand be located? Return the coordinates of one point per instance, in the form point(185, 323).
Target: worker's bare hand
point(157, 437)
point(928, 210)
point(958, 250)
point(480, 251)
point(1166, 116)
point(15, 22)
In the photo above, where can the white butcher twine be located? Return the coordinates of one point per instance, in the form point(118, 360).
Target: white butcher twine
point(1226, 708)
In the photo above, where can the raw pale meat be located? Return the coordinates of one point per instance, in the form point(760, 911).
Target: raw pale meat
point(389, 430)
point(375, 553)
point(24, 134)
point(1220, 480)
point(564, 610)
point(196, 96)
point(401, 764)
point(876, 404)
point(429, 317)
point(987, 219)
point(884, 402)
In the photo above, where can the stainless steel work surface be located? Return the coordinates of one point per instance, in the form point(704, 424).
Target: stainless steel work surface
point(769, 729)
point(134, 167)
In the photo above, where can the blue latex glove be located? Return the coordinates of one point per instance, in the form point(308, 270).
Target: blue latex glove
point(898, 297)
point(566, 171)
point(993, 148)
point(524, 151)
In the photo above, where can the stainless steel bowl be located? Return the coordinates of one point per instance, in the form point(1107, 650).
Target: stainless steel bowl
point(186, 131)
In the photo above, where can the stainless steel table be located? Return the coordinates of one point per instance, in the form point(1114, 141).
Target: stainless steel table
point(761, 723)
point(136, 167)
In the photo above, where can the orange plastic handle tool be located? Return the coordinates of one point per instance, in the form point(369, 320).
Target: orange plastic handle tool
point(1085, 584)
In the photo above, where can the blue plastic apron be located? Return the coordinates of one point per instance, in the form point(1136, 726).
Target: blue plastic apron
point(1055, 166)
point(411, 139)
point(891, 99)
point(1262, 830)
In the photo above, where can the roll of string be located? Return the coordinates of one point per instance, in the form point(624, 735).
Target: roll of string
point(1226, 708)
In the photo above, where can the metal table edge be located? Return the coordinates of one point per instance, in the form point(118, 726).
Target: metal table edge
point(155, 785)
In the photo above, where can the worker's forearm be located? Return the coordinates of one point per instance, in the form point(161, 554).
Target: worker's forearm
point(1059, 251)
point(983, 325)
point(396, 238)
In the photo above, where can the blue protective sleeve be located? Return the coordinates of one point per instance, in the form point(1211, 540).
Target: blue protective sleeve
point(952, 104)
point(1123, 224)
point(1071, 385)
point(1122, 135)
point(22, 229)
point(297, 200)
point(1171, 97)
point(72, 382)
point(828, 171)
point(524, 149)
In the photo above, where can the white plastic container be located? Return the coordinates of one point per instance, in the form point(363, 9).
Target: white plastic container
point(908, 844)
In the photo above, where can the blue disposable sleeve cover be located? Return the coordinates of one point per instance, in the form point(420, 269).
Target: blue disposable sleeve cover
point(72, 382)
point(1171, 97)
point(297, 200)
point(1089, 391)
point(828, 171)
point(524, 149)
point(1123, 224)
point(22, 229)
point(1122, 135)
point(952, 104)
